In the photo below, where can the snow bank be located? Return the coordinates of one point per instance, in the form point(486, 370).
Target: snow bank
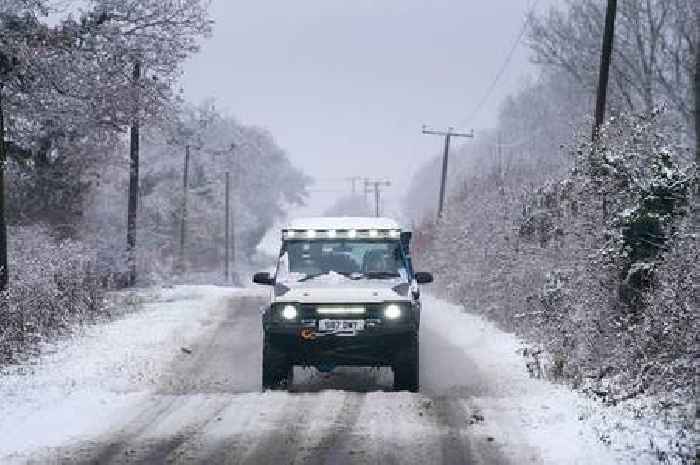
point(565, 426)
point(80, 383)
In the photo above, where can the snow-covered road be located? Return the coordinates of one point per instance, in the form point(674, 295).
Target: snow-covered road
point(179, 382)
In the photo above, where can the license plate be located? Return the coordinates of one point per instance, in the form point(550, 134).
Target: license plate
point(345, 326)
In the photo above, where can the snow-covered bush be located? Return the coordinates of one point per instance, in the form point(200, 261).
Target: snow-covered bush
point(53, 286)
point(595, 268)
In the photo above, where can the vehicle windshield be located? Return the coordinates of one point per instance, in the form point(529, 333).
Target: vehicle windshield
point(355, 259)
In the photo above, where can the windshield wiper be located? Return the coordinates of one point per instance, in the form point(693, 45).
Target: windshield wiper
point(347, 274)
point(381, 275)
point(312, 276)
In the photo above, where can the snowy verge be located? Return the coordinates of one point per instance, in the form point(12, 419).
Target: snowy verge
point(567, 427)
point(102, 370)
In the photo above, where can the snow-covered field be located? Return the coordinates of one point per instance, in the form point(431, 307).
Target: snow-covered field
point(179, 383)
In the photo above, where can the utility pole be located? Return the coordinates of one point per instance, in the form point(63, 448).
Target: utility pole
point(183, 215)
point(376, 186)
point(696, 91)
point(604, 72)
point(133, 183)
point(449, 134)
point(227, 228)
point(236, 194)
point(353, 181)
point(4, 275)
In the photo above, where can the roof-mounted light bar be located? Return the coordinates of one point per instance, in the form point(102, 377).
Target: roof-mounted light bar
point(311, 234)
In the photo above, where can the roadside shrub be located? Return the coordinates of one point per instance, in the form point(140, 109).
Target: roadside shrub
point(595, 269)
point(53, 286)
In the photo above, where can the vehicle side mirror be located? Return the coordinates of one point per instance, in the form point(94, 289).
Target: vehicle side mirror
point(423, 277)
point(263, 278)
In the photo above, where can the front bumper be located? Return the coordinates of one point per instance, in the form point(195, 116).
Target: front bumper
point(377, 344)
point(377, 348)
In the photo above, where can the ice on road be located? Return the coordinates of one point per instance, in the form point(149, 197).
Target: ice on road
point(179, 383)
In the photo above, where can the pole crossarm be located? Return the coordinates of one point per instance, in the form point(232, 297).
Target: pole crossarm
point(450, 132)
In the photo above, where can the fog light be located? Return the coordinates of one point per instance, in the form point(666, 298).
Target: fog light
point(289, 312)
point(392, 311)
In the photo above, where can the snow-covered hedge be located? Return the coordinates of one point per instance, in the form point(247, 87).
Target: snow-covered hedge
point(52, 286)
point(596, 270)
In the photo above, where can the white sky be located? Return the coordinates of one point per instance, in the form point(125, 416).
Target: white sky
point(345, 85)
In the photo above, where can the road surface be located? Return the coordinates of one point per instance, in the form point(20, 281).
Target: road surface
point(206, 407)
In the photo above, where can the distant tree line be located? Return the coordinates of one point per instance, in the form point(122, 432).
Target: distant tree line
point(94, 132)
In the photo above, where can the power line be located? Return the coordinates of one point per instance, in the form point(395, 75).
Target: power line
point(505, 64)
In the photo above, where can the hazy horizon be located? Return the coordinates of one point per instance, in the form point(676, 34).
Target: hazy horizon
point(345, 86)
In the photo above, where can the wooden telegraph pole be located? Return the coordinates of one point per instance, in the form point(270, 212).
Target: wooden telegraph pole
point(133, 184)
point(227, 240)
point(449, 134)
point(604, 72)
point(376, 187)
point(183, 213)
point(4, 275)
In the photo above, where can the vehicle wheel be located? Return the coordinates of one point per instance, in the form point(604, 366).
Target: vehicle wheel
point(277, 372)
point(406, 368)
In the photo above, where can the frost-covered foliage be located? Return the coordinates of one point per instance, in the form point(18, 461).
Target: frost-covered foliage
point(54, 287)
point(262, 179)
point(74, 79)
point(595, 268)
point(652, 63)
point(69, 92)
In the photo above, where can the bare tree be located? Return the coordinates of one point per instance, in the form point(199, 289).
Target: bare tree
point(654, 43)
point(155, 36)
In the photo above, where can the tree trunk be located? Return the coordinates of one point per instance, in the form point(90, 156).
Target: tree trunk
point(133, 186)
point(4, 275)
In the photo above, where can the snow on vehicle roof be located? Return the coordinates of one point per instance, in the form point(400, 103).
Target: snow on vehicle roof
point(324, 223)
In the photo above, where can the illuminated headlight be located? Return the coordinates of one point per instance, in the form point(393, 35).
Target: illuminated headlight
point(289, 312)
point(392, 311)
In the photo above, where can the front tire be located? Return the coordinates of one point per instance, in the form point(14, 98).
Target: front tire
point(405, 367)
point(277, 371)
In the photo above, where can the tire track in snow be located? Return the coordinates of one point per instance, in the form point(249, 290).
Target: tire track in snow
point(138, 441)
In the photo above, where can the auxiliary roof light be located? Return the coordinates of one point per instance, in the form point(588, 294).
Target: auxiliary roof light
point(314, 234)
